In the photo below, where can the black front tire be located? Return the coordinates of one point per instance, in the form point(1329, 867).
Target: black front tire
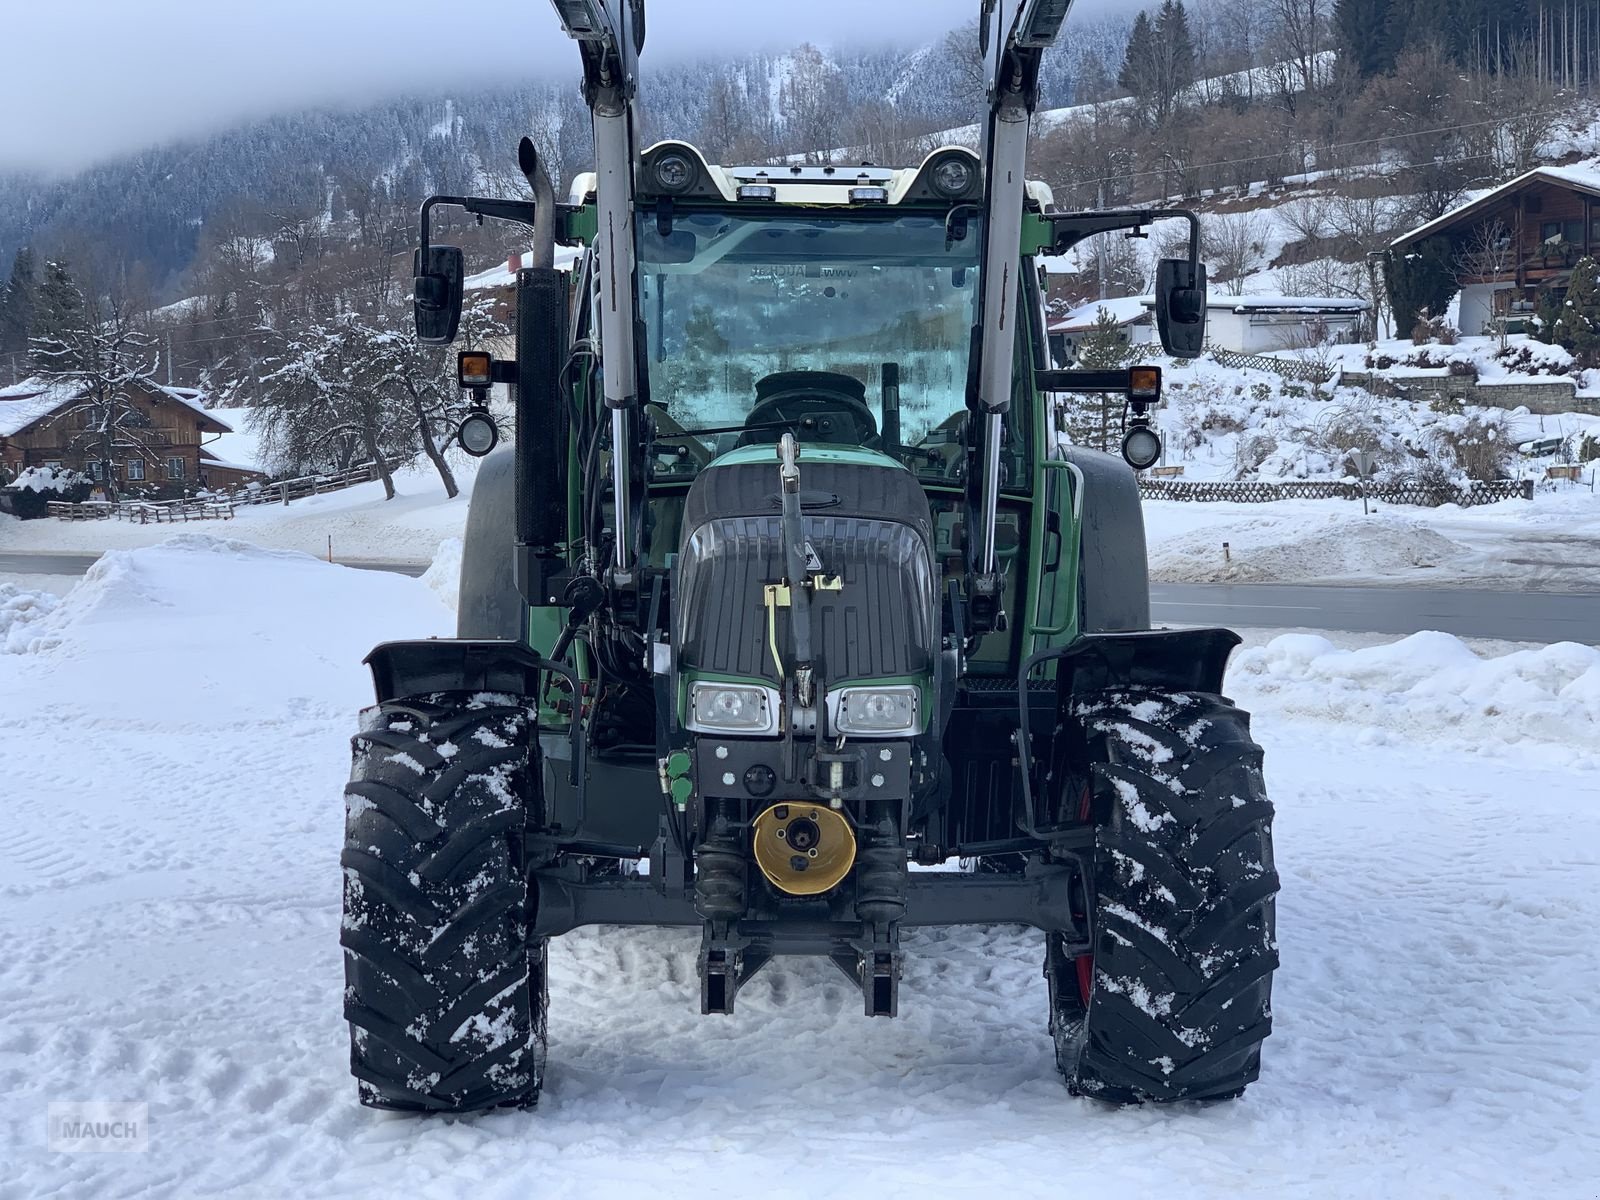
point(1175, 1000)
point(444, 992)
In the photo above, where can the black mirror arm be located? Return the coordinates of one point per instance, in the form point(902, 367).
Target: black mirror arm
point(1071, 228)
point(522, 212)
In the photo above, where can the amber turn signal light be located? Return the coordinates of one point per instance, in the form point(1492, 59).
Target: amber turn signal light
point(475, 368)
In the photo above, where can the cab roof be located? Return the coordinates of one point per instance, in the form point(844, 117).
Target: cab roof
point(861, 186)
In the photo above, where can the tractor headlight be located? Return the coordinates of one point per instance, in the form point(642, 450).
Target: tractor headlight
point(478, 433)
point(732, 708)
point(876, 711)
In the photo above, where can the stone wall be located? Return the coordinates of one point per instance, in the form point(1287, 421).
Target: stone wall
point(1553, 396)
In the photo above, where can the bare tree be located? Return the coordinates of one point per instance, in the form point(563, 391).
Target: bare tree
point(1302, 33)
point(813, 102)
point(1488, 254)
point(106, 362)
point(1309, 217)
point(1364, 225)
point(1236, 246)
point(1527, 107)
point(964, 68)
point(885, 134)
point(422, 380)
point(320, 407)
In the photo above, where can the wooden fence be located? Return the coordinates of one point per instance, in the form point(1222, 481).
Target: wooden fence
point(1306, 372)
point(288, 490)
point(144, 512)
point(1258, 492)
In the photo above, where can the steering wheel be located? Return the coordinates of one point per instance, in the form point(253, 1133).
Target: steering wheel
point(821, 406)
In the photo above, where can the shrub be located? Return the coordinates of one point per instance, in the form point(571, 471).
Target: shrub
point(1480, 445)
point(1435, 479)
point(1251, 452)
point(30, 495)
point(1464, 369)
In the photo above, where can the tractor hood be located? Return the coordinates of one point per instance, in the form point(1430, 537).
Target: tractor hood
point(867, 525)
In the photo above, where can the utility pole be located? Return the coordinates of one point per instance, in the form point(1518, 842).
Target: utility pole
point(1099, 250)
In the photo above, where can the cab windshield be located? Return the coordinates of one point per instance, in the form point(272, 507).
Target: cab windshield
point(739, 309)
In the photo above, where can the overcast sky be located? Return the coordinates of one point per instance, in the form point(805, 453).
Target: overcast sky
point(93, 78)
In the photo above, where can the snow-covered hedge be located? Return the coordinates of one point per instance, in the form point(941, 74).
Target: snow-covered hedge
point(29, 496)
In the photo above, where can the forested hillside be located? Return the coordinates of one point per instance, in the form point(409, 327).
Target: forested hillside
point(146, 216)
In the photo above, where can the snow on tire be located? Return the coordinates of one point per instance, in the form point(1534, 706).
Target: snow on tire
point(444, 995)
point(1177, 998)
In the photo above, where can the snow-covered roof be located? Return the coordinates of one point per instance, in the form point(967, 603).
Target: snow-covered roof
point(241, 446)
point(1584, 176)
point(1126, 310)
point(1289, 304)
point(211, 460)
point(32, 400)
point(505, 275)
point(25, 403)
point(193, 398)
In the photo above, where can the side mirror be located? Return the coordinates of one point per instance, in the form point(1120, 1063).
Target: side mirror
point(1181, 307)
point(436, 294)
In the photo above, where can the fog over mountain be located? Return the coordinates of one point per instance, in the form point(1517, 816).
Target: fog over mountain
point(125, 77)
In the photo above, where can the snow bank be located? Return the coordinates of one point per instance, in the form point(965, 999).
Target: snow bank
point(247, 621)
point(1293, 546)
point(1428, 687)
point(443, 578)
point(20, 611)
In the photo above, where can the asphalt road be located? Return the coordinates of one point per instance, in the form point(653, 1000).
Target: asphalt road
point(1513, 616)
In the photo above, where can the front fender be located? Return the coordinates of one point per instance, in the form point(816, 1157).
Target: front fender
point(402, 669)
point(1162, 660)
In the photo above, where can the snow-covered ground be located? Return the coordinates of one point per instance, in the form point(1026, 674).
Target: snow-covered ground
point(174, 735)
point(361, 523)
point(1551, 543)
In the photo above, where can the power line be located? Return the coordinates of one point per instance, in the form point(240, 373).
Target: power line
point(1390, 137)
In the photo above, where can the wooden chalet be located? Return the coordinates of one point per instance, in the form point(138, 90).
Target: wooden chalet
point(1517, 242)
point(43, 423)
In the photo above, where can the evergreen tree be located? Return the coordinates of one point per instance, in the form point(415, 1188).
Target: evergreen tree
point(1545, 318)
point(1421, 280)
point(1175, 56)
point(1090, 417)
point(1140, 64)
point(58, 315)
point(1363, 31)
point(1577, 329)
point(16, 304)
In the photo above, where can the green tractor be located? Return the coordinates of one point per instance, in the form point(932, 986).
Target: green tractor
point(788, 585)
